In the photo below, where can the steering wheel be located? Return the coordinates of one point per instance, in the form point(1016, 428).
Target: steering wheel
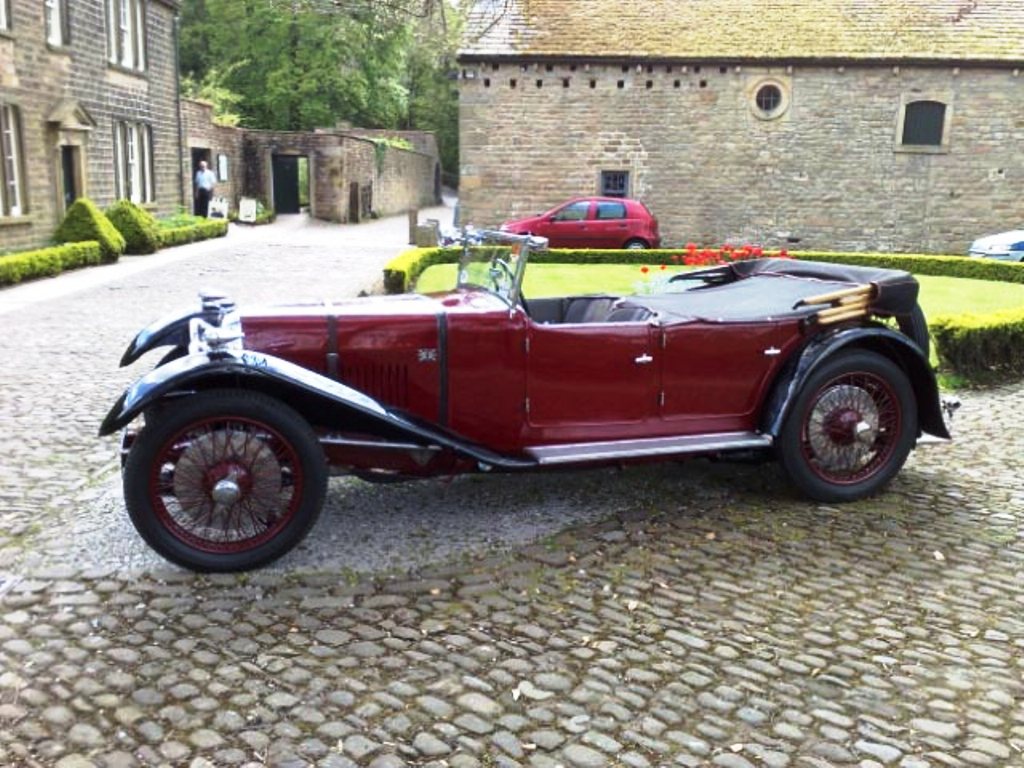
point(502, 270)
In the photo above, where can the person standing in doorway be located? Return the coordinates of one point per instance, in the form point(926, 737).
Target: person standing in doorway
point(205, 182)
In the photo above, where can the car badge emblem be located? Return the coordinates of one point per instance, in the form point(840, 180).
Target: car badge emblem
point(427, 355)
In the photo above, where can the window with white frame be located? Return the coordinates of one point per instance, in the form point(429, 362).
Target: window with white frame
point(222, 167)
point(5, 15)
point(58, 31)
point(133, 162)
point(12, 195)
point(126, 33)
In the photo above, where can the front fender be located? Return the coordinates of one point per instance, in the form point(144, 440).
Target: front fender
point(167, 331)
point(190, 371)
point(885, 341)
point(247, 369)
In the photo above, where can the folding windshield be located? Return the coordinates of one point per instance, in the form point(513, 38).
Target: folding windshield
point(496, 262)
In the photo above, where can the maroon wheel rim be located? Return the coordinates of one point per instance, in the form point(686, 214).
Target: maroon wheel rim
point(851, 428)
point(226, 485)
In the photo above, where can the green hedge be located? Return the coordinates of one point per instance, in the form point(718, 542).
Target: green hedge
point(203, 230)
point(977, 347)
point(84, 221)
point(981, 347)
point(47, 262)
point(940, 266)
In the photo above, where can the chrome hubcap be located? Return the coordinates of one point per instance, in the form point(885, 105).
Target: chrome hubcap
point(226, 492)
point(844, 428)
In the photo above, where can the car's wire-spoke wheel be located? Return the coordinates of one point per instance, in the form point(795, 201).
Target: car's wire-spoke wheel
point(850, 428)
point(225, 480)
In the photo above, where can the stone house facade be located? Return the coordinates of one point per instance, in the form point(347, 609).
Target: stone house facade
point(352, 173)
point(834, 124)
point(88, 107)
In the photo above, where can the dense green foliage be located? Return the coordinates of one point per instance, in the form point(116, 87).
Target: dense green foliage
point(137, 226)
point(303, 64)
point(84, 221)
point(46, 262)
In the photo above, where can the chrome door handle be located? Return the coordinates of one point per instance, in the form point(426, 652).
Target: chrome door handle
point(644, 359)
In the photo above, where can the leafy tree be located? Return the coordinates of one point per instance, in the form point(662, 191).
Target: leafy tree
point(302, 64)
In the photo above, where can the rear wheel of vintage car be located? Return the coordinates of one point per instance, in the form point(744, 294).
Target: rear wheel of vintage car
point(225, 480)
point(850, 428)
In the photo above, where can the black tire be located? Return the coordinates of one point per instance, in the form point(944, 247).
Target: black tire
point(850, 429)
point(636, 244)
point(257, 454)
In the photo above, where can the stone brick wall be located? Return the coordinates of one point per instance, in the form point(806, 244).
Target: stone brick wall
point(38, 79)
point(825, 174)
point(396, 179)
point(199, 132)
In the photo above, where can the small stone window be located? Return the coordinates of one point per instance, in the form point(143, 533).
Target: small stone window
point(58, 30)
point(923, 122)
point(12, 178)
point(769, 98)
point(614, 183)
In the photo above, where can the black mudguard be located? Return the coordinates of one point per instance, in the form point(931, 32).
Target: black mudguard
point(897, 347)
point(172, 330)
point(335, 404)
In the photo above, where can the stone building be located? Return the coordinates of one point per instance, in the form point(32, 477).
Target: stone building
point(88, 107)
point(346, 174)
point(832, 124)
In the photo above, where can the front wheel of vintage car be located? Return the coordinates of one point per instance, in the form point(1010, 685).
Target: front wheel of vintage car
point(850, 429)
point(225, 480)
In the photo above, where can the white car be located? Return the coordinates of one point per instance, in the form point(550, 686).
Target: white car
point(1006, 246)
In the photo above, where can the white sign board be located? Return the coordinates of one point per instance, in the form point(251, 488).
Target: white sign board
point(247, 210)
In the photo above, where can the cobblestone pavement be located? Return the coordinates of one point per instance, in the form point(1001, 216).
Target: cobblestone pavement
point(693, 615)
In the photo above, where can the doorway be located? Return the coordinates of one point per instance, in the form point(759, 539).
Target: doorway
point(199, 154)
point(289, 192)
point(70, 178)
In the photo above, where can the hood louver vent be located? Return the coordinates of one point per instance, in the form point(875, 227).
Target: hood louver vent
point(387, 383)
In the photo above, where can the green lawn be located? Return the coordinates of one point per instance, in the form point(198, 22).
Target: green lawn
point(939, 295)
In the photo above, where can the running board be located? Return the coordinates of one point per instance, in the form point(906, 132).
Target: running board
point(659, 446)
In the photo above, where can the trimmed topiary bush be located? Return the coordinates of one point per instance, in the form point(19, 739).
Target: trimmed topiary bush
point(84, 221)
point(136, 225)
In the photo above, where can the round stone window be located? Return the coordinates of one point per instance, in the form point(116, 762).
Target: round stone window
point(770, 99)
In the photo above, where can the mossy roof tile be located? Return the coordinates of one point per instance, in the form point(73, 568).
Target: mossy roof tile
point(940, 30)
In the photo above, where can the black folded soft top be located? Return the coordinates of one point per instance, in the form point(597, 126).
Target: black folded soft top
point(774, 288)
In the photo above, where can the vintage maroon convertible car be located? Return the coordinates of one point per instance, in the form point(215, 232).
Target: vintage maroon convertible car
point(822, 367)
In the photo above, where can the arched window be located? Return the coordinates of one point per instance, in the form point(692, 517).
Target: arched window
point(924, 123)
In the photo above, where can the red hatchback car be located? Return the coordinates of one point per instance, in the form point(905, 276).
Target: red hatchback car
point(593, 222)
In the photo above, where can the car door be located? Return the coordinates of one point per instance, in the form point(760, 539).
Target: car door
point(610, 228)
point(590, 381)
point(568, 226)
point(714, 374)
